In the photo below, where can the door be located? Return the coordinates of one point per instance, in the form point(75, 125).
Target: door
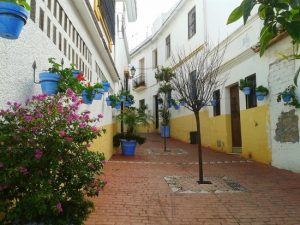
point(235, 119)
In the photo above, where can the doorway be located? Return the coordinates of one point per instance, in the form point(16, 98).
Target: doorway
point(235, 119)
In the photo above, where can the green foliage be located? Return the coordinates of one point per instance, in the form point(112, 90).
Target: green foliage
point(46, 168)
point(22, 3)
point(262, 89)
point(165, 115)
point(129, 97)
point(289, 91)
point(117, 138)
point(164, 74)
point(245, 83)
point(115, 99)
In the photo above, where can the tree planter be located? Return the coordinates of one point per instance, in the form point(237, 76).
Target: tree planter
point(106, 86)
point(98, 94)
point(49, 83)
point(85, 98)
point(165, 131)
point(247, 90)
point(128, 147)
point(176, 107)
point(260, 96)
point(182, 103)
point(12, 19)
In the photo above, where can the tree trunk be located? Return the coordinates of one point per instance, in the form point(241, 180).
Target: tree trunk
point(200, 181)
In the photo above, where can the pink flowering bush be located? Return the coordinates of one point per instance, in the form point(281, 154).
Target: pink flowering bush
point(46, 169)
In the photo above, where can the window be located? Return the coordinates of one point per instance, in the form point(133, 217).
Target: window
point(33, 10)
point(251, 101)
point(55, 8)
point(65, 47)
point(73, 56)
point(49, 4)
point(69, 53)
point(168, 46)
point(60, 15)
point(66, 23)
point(142, 103)
point(48, 27)
point(54, 34)
point(59, 42)
point(154, 58)
point(192, 22)
point(217, 105)
point(142, 66)
point(41, 21)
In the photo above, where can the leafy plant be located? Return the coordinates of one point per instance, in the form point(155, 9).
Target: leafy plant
point(129, 97)
point(289, 91)
point(165, 115)
point(245, 83)
point(278, 16)
point(115, 99)
point(22, 3)
point(46, 168)
point(262, 89)
point(117, 138)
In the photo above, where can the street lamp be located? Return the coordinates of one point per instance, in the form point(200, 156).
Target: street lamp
point(132, 71)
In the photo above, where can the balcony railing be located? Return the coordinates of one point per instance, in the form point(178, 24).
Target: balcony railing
point(139, 82)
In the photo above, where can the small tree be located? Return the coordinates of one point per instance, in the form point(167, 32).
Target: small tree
point(164, 76)
point(195, 81)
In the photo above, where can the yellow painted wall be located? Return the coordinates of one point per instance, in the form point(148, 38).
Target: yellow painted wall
point(105, 142)
point(181, 127)
point(146, 129)
point(254, 128)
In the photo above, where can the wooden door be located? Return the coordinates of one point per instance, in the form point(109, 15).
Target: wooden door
point(235, 117)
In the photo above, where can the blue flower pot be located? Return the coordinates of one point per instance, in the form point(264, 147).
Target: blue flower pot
point(49, 82)
point(123, 98)
point(286, 98)
point(98, 94)
point(165, 131)
point(12, 19)
point(127, 104)
point(176, 106)
point(75, 73)
point(106, 86)
point(108, 101)
point(182, 103)
point(247, 90)
point(128, 147)
point(260, 96)
point(85, 98)
point(118, 106)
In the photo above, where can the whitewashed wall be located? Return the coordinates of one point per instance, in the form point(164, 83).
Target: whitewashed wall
point(17, 57)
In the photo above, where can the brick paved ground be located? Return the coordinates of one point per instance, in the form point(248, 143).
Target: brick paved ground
point(138, 194)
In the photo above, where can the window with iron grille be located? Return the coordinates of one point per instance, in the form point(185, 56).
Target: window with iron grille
point(168, 46)
point(192, 22)
point(108, 12)
point(49, 4)
point(217, 106)
point(55, 8)
point(154, 58)
point(251, 100)
point(54, 34)
point(48, 27)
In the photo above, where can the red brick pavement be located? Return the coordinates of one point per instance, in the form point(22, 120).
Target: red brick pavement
point(138, 194)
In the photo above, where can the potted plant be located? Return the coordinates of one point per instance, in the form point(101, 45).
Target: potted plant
point(261, 92)
point(98, 91)
point(88, 94)
point(106, 85)
point(47, 173)
point(165, 127)
point(182, 102)
point(132, 118)
point(13, 16)
point(289, 96)
point(127, 98)
point(246, 86)
point(113, 100)
point(49, 79)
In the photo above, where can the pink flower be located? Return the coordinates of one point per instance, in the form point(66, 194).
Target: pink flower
point(70, 93)
point(94, 129)
point(23, 170)
point(38, 153)
point(28, 118)
point(69, 118)
point(74, 98)
point(82, 125)
point(100, 116)
point(59, 207)
point(69, 139)
point(62, 133)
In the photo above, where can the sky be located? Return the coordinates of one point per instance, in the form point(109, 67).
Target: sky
point(149, 10)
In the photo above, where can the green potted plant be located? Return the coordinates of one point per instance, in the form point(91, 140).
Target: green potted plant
point(246, 86)
point(289, 96)
point(165, 128)
point(261, 92)
point(114, 101)
point(13, 16)
point(47, 172)
point(132, 118)
point(127, 98)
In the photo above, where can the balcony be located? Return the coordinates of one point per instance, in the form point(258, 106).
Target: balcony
point(139, 83)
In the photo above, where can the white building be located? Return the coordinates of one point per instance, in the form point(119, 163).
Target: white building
point(81, 32)
point(265, 131)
